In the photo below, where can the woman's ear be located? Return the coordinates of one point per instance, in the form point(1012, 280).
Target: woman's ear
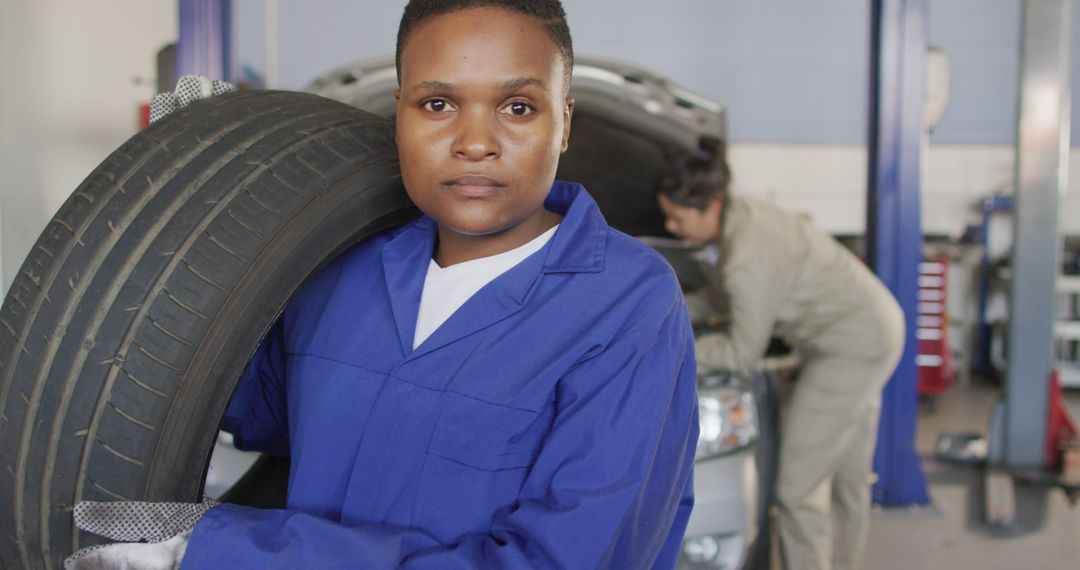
point(568, 112)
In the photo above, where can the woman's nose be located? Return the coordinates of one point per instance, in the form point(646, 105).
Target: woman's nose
point(477, 137)
point(671, 226)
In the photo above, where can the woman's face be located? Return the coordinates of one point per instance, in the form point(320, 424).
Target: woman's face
point(693, 225)
point(482, 117)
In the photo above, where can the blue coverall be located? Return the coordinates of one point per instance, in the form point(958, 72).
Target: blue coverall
point(551, 422)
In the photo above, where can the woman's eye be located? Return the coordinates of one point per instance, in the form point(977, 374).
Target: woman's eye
point(437, 105)
point(518, 109)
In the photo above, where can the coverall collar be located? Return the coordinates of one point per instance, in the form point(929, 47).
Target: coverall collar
point(577, 247)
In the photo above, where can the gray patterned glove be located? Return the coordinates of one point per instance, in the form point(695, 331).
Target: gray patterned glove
point(189, 88)
point(155, 535)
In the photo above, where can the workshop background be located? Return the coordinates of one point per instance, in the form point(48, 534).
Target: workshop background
point(792, 75)
point(794, 78)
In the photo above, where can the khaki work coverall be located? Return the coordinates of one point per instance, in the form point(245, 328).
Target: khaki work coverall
point(778, 275)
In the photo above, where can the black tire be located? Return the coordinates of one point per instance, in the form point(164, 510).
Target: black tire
point(123, 335)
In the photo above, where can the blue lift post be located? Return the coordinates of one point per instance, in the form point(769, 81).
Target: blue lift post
point(205, 38)
point(893, 228)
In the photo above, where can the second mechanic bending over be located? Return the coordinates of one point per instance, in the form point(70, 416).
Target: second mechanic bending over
point(775, 274)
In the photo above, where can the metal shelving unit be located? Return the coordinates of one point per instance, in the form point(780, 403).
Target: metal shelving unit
point(1067, 331)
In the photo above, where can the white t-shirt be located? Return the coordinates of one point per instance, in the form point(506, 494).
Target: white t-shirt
point(447, 289)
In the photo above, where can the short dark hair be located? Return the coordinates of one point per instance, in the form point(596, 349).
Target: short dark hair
point(549, 12)
point(694, 182)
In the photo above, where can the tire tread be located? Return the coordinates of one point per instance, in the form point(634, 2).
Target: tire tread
point(108, 315)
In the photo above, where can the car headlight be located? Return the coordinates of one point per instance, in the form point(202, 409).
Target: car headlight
point(713, 552)
point(727, 415)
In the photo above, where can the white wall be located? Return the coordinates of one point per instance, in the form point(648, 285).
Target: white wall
point(828, 182)
point(825, 182)
point(68, 97)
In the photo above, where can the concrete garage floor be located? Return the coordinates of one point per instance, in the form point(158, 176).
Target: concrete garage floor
point(952, 534)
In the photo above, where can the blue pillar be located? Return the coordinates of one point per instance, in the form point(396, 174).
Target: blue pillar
point(205, 38)
point(893, 228)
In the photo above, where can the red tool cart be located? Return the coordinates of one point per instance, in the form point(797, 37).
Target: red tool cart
point(937, 370)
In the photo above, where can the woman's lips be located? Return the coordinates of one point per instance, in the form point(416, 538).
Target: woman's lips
point(474, 186)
